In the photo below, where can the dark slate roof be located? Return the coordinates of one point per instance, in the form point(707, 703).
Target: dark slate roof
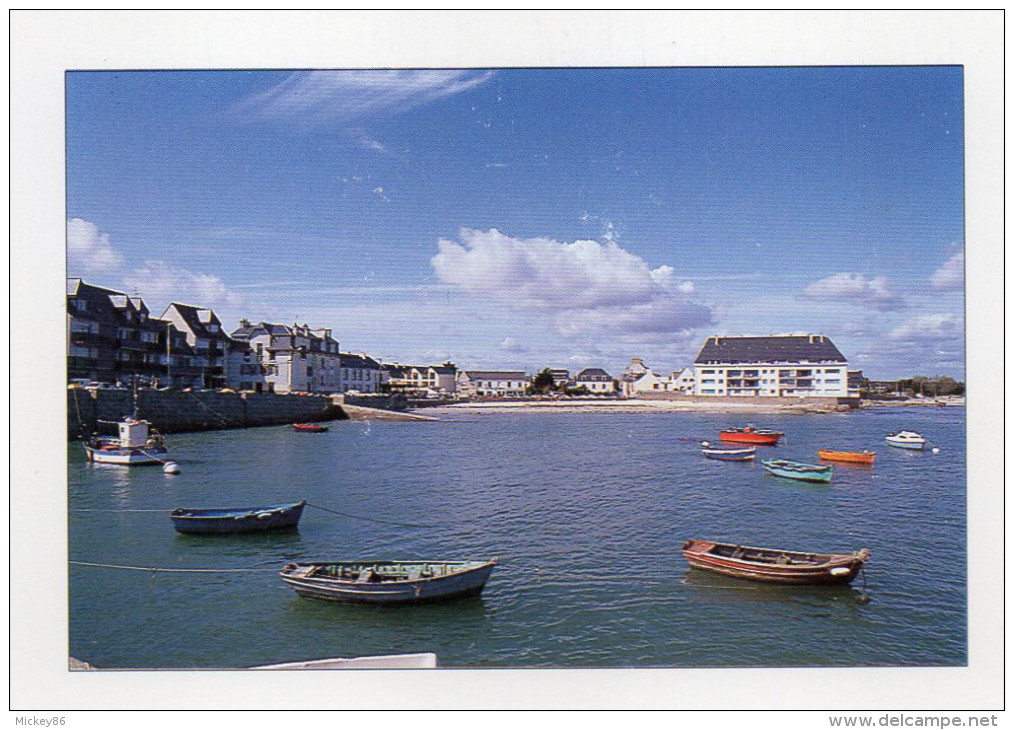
point(444, 369)
point(496, 374)
point(349, 360)
point(589, 373)
point(773, 349)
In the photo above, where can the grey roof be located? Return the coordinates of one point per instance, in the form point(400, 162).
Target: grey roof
point(444, 369)
point(773, 349)
point(496, 374)
point(590, 373)
point(350, 360)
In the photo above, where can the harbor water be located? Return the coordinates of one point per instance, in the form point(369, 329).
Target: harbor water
point(586, 513)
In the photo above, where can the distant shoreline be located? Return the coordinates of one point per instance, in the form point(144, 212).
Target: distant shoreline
point(657, 406)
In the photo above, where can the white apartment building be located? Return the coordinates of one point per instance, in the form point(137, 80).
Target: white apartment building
point(774, 366)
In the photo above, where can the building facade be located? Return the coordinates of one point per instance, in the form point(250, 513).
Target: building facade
point(112, 338)
point(773, 366)
point(491, 383)
point(212, 349)
point(281, 358)
point(360, 373)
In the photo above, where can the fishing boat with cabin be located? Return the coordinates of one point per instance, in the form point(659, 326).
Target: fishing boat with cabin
point(799, 471)
point(237, 520)
point(388, 582)
point(774, 566)
point(137, 444)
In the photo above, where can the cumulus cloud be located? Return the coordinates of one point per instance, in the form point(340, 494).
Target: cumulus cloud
point(322, 97)
point(951, 275)
point(511, 345)
point(855, 289)
point(88, 250)
point(586, 285)
point(160, 282)
point(929, 327)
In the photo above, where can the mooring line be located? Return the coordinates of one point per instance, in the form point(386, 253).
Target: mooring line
point(120, 510)
point(368, 519)
point(173, 570)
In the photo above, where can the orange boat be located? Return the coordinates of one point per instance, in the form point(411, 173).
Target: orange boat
point(852, 457)
point(751, 435)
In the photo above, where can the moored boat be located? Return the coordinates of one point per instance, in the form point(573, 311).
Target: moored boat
point(388, 582)
point(774, 566)
point(797, 470)
point(730, 453)
point(849, 457)
point(906, 440)
point(136, 445)
point(236, 520)
point(309, 427)
point(751, 435)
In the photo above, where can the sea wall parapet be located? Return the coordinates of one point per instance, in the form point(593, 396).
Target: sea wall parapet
point(172, 411)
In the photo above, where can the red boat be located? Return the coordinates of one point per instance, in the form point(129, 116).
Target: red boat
point(773, 566)
point(311, 427)
point(751, 435)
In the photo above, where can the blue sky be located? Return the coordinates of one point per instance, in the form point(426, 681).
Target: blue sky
point(528, 218)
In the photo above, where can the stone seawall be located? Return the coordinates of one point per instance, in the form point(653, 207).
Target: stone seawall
point(173, 411)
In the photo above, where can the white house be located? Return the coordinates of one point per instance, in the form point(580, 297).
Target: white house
point(287, 359)
point(638, 378)
point(682, 380)
point(778, 365)
point(596, 380)
point(502, 383)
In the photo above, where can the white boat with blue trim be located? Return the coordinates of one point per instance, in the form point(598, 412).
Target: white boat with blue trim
point(907, 440)
point(136, 445)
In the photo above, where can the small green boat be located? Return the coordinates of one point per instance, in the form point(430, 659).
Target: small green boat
point(795, 470)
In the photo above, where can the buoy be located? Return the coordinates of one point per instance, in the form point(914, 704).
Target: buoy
point(705, 444)
point(936, 449)
point(171, 467)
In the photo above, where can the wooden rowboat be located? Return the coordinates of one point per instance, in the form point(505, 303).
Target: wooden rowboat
point(237, 520)
point(388, 582)
point(850, 457)
point(751, 435)
point(309, 427)
point(773, 566)
point(796, 470)
point(730, 453)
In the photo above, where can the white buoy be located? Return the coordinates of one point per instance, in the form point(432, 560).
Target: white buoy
point(936, 449)
point(705, 444)
point(171, 467)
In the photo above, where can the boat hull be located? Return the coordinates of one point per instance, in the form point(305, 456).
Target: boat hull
point(746, 454)
point(237, 521)
point(127, 457)
point(773, 566)
point(309, 427)
point(469, 581)
point(910, 445)
point(847, 457)
point(801, 473)
point(751, 437)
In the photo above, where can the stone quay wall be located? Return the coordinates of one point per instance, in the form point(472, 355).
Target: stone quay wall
point(172, 411)
point(827, 401)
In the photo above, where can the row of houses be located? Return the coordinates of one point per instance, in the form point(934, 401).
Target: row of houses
point(112, 337)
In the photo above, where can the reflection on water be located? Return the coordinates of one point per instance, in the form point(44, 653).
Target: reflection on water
point(587, 513)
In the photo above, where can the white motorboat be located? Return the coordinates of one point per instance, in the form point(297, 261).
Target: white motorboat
point(907, 440)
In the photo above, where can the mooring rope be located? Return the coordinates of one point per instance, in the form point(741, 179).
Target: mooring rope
point(368, 519)
point(173, 570)
point(120, 510)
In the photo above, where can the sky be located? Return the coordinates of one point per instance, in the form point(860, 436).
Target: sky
point(530, 218)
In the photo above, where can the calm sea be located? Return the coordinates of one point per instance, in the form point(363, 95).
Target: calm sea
point(587, 513)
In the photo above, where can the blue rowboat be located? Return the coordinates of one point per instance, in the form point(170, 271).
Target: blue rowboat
point(388, 582)
point(796, 470)
point(730, 453)
point(237, 520)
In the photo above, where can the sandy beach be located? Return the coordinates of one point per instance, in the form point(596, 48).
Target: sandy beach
point(627, 406)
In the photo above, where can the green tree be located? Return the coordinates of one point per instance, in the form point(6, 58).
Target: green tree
point(542, 382)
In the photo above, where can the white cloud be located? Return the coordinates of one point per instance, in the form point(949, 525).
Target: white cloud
point(88, 250)
point(588, 286)
point(162, 283)
point(511, 345)
point(951, 275)
point(855, 289)
point(321, 97)
point(929, 327)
